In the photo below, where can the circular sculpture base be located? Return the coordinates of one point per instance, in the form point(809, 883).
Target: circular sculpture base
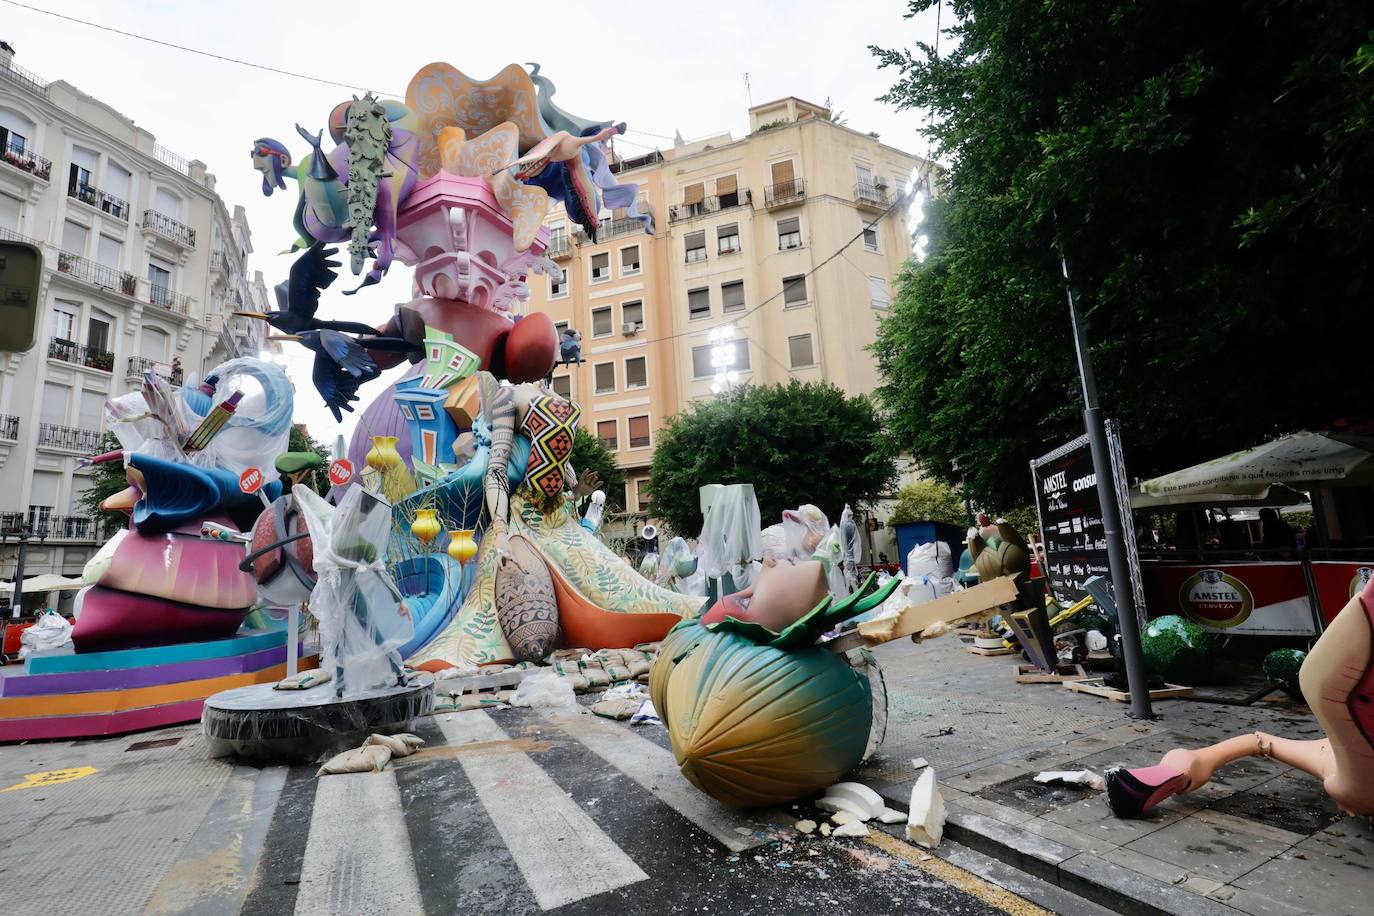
point(264, 725)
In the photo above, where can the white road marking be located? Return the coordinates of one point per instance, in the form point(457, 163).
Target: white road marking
point(562, 854)
point(655, 768)
point(357, 856)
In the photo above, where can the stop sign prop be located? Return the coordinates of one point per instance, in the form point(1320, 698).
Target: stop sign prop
point(340, 472)
point(250, 481)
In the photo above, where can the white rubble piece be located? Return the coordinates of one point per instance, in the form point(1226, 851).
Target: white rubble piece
point(857, 828)
point(834, 804)
point(867, 802)
point(825, 828)
point(889, 816)
point(919, 763)
point(840, 818)
point(925, 824)
point(1073, 777)
point(806, 826)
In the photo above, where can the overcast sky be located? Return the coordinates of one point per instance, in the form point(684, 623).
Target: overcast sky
point(678, 69)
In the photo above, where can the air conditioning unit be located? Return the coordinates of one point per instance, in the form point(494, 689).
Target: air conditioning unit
point(630, 328)
point(880, 184)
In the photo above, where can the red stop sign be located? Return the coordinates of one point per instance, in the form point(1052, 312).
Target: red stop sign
point(250, 481)
point(340, 472)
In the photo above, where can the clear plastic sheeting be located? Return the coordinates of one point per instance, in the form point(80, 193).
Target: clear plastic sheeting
point(830, 552)
point(731, 537)
point(850, 548)
point(50, 631)
point(262, 724)
point(932, 559)
point(798, 536)
point(363, 622)
point(545, 690)
point(680, 570)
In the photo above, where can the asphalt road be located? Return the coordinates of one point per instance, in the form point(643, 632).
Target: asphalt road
point(503, 811)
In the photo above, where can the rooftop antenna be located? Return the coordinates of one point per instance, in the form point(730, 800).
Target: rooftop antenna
point(748, 90)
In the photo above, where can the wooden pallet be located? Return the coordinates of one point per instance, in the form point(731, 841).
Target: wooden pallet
point(978, 650)
point(1095, 687)
point(1029, 674)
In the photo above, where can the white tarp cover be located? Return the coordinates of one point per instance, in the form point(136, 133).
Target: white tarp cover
point(47, 582)
point(1296, 459)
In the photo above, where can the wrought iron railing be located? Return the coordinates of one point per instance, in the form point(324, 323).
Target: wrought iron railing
point(26, 161)
point(69, 351)
point(102, 201)
point(221, 261)
point(784, 193)
point(172, 302)
point(13, 236)
point(610, 229)
point(871, 194)
point(28, 79)
point(97, 274)
point(625, 165)
point(169, 228)
point(713, 204)
point(141, 364)
point(51, 435)
point(66, 527)
point(171, 159)
point(9, 427)
point(559, 245)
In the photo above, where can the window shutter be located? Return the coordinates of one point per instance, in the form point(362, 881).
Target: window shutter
point(725, 185)
point(694, 194)
point(729, 229)
point(732, 296)
point(799, 350)
point(789, 225)
point(782, 172)
point(696, 239)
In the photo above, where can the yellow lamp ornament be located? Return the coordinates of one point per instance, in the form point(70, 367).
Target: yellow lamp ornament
point(426, 526)
point(461, 547)
point(383, 455)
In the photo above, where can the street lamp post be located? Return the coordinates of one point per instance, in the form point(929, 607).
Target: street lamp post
point(1122, 589)
point(22, 535)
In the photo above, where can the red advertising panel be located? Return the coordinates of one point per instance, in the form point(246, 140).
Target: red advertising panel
point(1253, 598)
point(1338, 582)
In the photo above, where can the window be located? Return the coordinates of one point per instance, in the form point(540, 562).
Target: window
point(9, 212)
point(727, 192)
point(800, 352)
point(793, 291)
point(74, 237)
point(54, 406)
point(741, 361)
point(784, 182)
point(603, 322)
point(12, 141)
point(604, 377)
point(639, 438)
point(629, 261)
point(863, 175)
point(89, 409)
point(789, 233)
point(632, 313)
point(562, 386)
point(703, 367)
point(693, 199)
point(117, 180)
point(701, 362)
point(601, 267)
point(79, 176)
point(558, 286)
point(160, 279)
point(606, 431)
point(98, 334)
point(64, 320)
point(732, 296)
point(642, 493)
point(109, 251)
point(699, 303)
point(696, 246)
point(559, 327)
point(167, 203)
point(870, 237)
point(727, 238)
point(878, 296)
point(636, 373)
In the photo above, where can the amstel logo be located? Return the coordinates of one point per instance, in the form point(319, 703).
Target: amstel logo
point(1360, 580)
point(1215, 599)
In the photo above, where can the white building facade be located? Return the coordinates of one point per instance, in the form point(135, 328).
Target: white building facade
point(143, 264)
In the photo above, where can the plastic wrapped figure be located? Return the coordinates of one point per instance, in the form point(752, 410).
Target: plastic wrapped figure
point(363, 620)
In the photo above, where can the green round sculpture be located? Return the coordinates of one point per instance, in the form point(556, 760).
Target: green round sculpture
point(1091, 619)
point(1175, 648)
point(1283, 665)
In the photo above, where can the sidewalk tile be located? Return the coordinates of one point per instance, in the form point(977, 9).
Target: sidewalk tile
point(1131, 892)
point(1245, 825)
point(1255, 904)
point(1319, 883)
point(993, 809)
point(1158, 869)
point(987, 776)
point(1068, 836)
point(1093, 817)
point(1219, 853)
point(1351, 837)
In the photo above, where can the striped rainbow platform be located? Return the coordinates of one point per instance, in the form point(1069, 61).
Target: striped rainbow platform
point(112, 693)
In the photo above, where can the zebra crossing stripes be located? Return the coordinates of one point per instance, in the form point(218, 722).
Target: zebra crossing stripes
point(358, 856)
point(562, 854)
point(656, 770)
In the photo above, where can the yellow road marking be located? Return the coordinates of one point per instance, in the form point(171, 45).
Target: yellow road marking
point(50, 778)
point(955, 876)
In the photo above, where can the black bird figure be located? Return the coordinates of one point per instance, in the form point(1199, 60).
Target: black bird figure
point(298, 297)
point(342, 365)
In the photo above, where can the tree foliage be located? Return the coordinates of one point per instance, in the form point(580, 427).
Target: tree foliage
point(929, 501)
point(1208, 177)
point(106, 479)
point(588, 454)
point(796, 443)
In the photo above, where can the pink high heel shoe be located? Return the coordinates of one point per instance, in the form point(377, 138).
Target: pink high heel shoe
point(1132, 793)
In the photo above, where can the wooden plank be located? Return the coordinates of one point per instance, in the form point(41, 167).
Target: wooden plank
point(1095, 687)
point(1029, 674)
point(946, 610)
point(979, 650)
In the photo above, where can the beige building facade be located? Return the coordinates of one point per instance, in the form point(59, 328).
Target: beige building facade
point(143, 263)
point(742, 271)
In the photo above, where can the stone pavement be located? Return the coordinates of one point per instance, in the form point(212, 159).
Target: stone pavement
point(1261, 838)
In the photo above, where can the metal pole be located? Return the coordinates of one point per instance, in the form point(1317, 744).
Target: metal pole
point(1122, 589)
point(17, 597)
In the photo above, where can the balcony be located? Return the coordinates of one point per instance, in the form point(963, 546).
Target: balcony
point(714, 204)
point(25, 78)
point(220, 261)
point(611, 229)
point(68, 438)
point(784, 194)
point(96, 274)
point(163, 225)
point(872, 195)
point(171, 160)
point(26, 161)
point(638, 162)
point(560, 246)
point(69, 351)
point(63, 527)
point(105, 203)
point(9, 428)
point(138, 365)
point(178, 303)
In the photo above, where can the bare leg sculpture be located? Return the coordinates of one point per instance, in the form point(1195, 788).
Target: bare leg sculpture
point(1338, 680)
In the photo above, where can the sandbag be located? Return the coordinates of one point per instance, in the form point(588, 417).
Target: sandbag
point(932, 559)
point(370, 758)
point(402, 745)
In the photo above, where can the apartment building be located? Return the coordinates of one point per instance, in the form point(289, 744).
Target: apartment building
point(736, 269)
point(142, 264)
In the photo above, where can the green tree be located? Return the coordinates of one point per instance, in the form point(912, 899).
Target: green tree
point(929, 501)
point(106, 479)
point(588, 454)
point(1206, 175)
point(301, 441)
point(796, 443)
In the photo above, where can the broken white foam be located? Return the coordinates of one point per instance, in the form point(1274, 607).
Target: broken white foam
point(856, 828)
point(1073, 777)
point(925, 823)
